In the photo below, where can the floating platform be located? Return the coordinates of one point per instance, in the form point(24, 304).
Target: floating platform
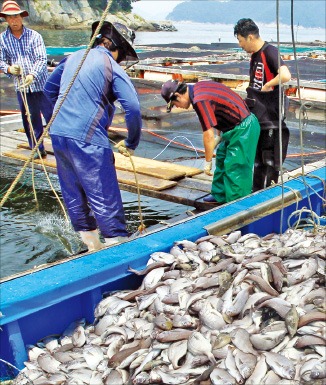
point(162, 180)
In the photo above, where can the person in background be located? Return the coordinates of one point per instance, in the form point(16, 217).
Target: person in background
point(218, 107)
point(85, 160)
point(263, 101)
point(23, 57)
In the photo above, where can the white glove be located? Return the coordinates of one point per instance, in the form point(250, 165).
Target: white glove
point(208, 168)
point(217, 140)
point(14, 69)
point(28, 81)
point(123, 149)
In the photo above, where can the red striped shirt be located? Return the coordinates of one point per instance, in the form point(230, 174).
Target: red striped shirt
point(218, 106)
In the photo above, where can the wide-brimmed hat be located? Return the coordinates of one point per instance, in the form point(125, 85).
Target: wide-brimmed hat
point(10, 8)
point(168, 91)
point(117, 33)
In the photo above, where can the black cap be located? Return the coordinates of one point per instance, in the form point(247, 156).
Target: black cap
point(168, 91)
point(117, 33)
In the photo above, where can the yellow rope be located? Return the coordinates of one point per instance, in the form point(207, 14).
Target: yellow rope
point(142, 226)
point(55, 113)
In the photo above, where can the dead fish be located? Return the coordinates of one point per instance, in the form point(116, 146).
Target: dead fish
point(238, 303)
point(308, 269)
point(267, 340)
point(263, 285)
point(174, 335)
point(167, 378)
point(184, 321)
point(231, 366)
point(221, 340)
point(187, 244)
point(163, 322)
point(277, 275)
point(233, 237)
point(282, 366)
point(292, 320)
point(258, 373)
point(79, 337)
point(281, 306)
point(210, 317)
point(48, 363)
point(309, 340)
point(117, 358)
point(221, 376)
point(176, 351)
point(149, 268)
point(319, 369)
point(245, 363)
point(161, 256)
point(241, 340)
point(199, 345)
point(93, 356)
point(311, 317)
point(152, 278)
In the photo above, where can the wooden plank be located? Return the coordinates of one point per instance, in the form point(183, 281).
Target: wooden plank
point(154, 168)
point(176, 194)
point(124, 177)
point(195, 184)
point(144, 181)
point(47, 146)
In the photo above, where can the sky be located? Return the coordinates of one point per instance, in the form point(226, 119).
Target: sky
point(154, 10)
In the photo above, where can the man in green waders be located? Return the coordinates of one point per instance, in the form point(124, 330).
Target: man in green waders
point(218, 107)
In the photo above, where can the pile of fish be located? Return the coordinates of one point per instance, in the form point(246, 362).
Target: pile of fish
point(227, 309)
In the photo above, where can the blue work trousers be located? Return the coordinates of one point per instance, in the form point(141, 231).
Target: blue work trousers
point(89, 186)
point(38, 104)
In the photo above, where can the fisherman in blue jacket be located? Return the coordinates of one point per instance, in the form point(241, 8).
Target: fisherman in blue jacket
point(85, 160)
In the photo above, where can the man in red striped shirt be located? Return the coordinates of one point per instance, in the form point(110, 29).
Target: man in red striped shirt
point(218, 107)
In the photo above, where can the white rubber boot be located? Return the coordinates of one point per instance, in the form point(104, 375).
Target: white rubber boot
point(91, 240)
point(114, 240)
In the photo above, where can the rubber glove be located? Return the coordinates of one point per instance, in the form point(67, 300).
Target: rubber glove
point(123, 149)
point(208, 168)
point(14, 69)
point(28, 81)
point(217, 141)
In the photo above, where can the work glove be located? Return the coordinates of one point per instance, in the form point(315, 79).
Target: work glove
point(208, 168)
point(28, 81)
point(123, 149)
point(14, 69)
point(217, 140)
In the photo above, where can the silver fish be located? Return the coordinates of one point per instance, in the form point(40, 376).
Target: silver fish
point(231, 366)
point(198, 344)
point(258, 373)
point(169, 379)
point(245, 363)
point(48, 363)
point(222, 377)
point(176, 351)
point(282, 366)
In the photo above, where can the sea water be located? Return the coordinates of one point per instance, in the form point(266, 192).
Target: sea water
point(189, 33)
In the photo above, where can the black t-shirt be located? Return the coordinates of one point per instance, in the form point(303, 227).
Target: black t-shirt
point(264, 66)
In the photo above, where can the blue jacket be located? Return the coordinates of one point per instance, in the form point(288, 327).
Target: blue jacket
point(88, 109)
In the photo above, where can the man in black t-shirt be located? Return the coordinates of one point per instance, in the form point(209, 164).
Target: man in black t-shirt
point(263, 100)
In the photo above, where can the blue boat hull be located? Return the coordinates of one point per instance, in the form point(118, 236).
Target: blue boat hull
point(45, 302)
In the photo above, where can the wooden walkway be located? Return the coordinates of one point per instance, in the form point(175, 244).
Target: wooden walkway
point(161, 180)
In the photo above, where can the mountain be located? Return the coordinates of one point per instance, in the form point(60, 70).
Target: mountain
point(307, 13)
